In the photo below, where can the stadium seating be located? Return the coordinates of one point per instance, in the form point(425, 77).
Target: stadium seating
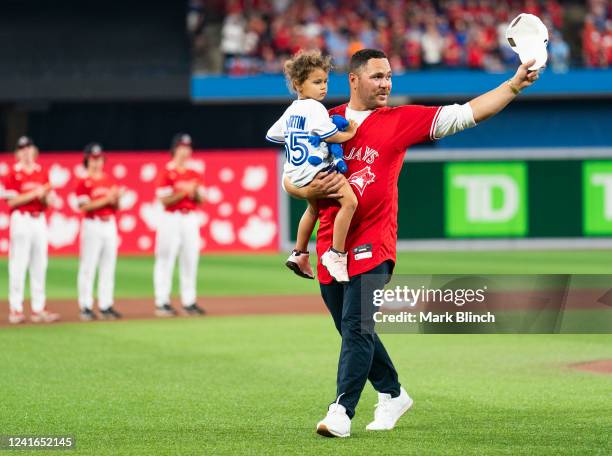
point(255, 37)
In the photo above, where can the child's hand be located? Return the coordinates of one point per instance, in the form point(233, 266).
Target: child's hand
point(340, 122)
point(352, 128)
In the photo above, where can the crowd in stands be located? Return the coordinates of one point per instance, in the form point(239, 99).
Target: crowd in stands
point(255, 36)
point(597, 35)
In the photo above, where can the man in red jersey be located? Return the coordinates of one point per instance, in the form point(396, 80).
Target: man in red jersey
point(27, 191)
point(374, 157)
point(98, 197)
point(180, 190)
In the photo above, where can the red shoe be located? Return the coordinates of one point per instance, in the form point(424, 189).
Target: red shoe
point(44, 317)
point(16, 317)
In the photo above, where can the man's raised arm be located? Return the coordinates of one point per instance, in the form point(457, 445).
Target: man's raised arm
point(492, 102)
point(455, 118)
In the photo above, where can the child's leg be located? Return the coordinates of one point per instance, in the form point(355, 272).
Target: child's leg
point(306, 226)
point(348, 205)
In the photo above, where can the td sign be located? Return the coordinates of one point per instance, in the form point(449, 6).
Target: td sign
point(486, 199)
point(597, 194)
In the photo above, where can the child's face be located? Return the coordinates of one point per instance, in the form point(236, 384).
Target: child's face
point(315, 86)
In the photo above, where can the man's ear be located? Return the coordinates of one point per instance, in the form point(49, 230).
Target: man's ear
point(353, 79)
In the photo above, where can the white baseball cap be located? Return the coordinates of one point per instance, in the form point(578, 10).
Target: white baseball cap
point(528, 37)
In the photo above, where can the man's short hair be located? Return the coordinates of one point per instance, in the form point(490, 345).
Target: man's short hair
point(360, 58)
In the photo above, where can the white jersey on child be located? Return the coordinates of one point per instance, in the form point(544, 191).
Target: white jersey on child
point(302, 118)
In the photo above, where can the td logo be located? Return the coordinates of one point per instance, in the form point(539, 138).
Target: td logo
point(486, 199)
point(597, 194)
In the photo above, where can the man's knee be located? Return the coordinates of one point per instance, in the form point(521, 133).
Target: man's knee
point(353, 330)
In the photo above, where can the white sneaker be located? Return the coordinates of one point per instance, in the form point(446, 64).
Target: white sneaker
point(16, 317)
point(299, 263)
point(336, 423)
point(336, 264)
point(44, 317)
point(389, 410)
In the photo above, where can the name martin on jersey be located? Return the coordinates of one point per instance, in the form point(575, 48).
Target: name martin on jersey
point(362, 178)
point(296, 122)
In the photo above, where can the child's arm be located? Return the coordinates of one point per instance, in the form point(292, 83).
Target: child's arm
point(344, 136)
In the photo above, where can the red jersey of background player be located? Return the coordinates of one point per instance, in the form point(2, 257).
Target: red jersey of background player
point(171, 181)
point(90, 189)
point(374, 158)
point(19, 181)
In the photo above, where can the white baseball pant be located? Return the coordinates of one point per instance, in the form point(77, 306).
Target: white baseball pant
point(98, 252)
point(27, 252)
point(178, 234)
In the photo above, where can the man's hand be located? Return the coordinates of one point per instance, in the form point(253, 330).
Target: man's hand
point(524, 77)
point(324, 185)
point(42, 192)
point(113, 196)
point(192, 189)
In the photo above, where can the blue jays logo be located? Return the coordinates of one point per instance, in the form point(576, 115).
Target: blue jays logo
point(361, 179)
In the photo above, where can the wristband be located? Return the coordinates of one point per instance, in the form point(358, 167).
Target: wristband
point(512, 87)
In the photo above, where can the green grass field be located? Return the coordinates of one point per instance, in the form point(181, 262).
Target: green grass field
point(220, 275)
point(259, 384)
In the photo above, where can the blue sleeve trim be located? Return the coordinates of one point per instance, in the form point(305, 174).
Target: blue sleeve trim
point(331, 133)
point(276, 141)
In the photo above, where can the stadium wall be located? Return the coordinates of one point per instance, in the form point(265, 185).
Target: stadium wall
point(420, 85)
point(150, 125)
point(504, 198)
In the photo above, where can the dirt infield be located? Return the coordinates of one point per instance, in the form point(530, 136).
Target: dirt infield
point(140, 308)
point(215, 306)
point(602, 366)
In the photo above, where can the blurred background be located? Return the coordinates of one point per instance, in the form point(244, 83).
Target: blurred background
point(132, 74)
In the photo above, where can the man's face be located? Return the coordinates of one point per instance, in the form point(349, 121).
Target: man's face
point(96, 163)
point(27, 154)
point(372, 83)
point(182, 152)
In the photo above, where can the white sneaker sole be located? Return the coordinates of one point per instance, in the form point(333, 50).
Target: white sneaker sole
point(296, 269)
point(323, 430)
point(47, 319)
point(331, 274)
point(407, 407)
point(164, 314)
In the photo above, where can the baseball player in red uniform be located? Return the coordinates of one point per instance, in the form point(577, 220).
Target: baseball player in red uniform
point(374, 157)
point(27, 191)
point(180, 190)
point(98, 197)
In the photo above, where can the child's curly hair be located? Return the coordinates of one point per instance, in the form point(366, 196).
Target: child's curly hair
point(298, 68)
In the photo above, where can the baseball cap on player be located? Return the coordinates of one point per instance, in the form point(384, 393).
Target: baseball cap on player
point(528, 37)
point(24, 141)
point(180, 139)
point(92, 149)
